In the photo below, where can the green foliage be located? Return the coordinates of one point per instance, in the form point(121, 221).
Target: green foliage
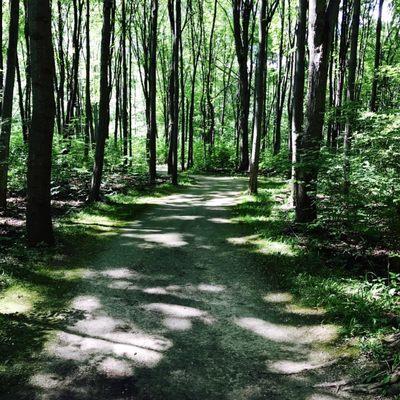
point(366, 306)
point(371, 209)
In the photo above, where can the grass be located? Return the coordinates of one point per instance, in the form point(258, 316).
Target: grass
point(36, 286)
point(365, 305)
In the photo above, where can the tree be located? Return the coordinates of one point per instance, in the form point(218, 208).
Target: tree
point(377, 59)
point(322, 19)
point(38, 216)
point(152, 126)
point(6, 115)
point(259, 92)
point(242, 11)
point(89, 132)
point(298, 87)
point(351, 91)
point(104, 106)
point(174, 9)
point(279, 92)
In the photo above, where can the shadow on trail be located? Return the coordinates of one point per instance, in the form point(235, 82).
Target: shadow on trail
point(181, 306)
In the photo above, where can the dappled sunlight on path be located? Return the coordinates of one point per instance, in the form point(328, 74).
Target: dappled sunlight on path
point(180, 306)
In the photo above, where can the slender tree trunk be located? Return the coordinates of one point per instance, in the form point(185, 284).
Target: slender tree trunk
point(241, 21)
point(61, 83)
point(104, 107)
point(24, 126)
point(337, 125)
point(298, 88)
point(88, 105)
point(152, 137)
point(279, 92)
point(38, 216)
point(351, 91)
point(259, 98)
point(322, 19)
point(377, 60)
point(6, 116)
point(183, 105)
point(124, 108)
point(195, 62)
point(175, 20)
point(210, 111)
point(74, 84)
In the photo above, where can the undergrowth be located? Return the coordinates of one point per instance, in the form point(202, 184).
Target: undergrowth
point(365, 304)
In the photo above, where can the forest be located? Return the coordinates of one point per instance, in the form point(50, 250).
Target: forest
point(199, 199)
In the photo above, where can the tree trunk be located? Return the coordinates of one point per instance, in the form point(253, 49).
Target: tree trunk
point(104, 107)
point(259, 98)
point(6, 116)
point(241, 21)
point(279, 92)
point(38, 217)
point(298, 88)
point(336, 128)
point(174, 7)
point(322, 19)
point(351, 92)
point(124, 108)
point(152, 137)
point(89, 134)
point(377, 60)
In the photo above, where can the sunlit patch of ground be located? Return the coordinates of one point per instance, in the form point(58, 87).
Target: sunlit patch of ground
point(17, 300)
point(179, 305)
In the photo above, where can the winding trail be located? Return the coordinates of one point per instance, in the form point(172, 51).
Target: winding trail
point(178, 307)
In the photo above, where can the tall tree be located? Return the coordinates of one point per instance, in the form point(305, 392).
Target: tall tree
point(279, 92)
point(89, 132)
point(242, 11)
point(259, 92)
point(152, 126)
point(259, 98)
point(196, 37)
point(340, 81)
point(298, 87)
point(38, 215)
point(124, 107)
point(104, 106)
point(351, 91)
point(322, 19)
point(377, 59)
point(174, 9)
point(6, 115)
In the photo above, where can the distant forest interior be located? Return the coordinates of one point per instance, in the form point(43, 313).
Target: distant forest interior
point(282, 115)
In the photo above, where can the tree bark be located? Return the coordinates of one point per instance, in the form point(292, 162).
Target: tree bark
point(279, 92)
point(322, 20)
point(38, 217)
point(298, 88)
point(6, 116)
point(241, 20)
point(259, 98)
point(152, 128)
point(351, 92)
point(377, 59)
point(89, 133)
point(174, 7)
point(104, 106)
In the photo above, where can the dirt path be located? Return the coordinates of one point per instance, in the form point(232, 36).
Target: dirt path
point(176, 308)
